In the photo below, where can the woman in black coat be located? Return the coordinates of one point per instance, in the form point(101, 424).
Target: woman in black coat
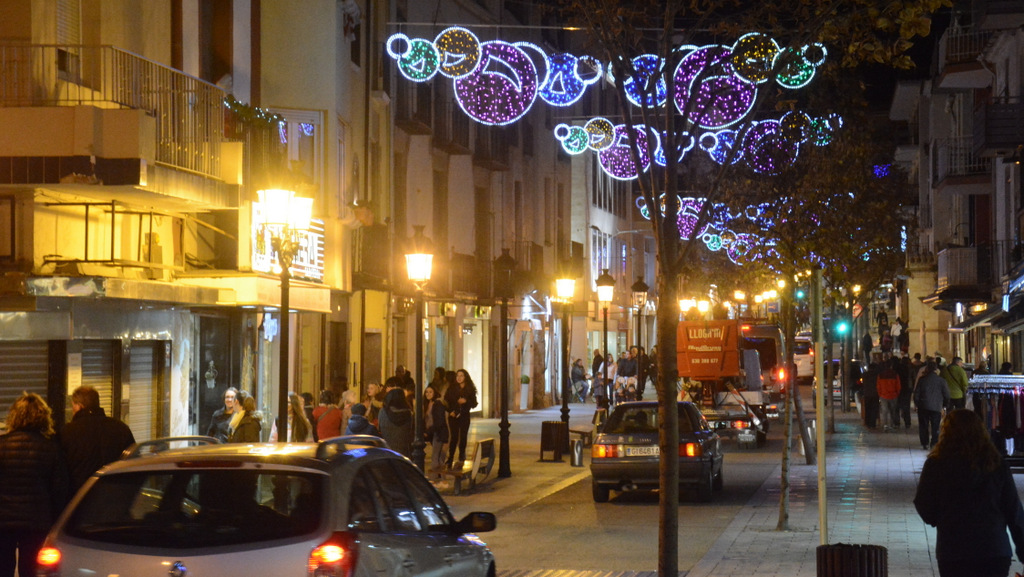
point(967, 493)
point(395, 418)
point(460, 399)
point(33, 484)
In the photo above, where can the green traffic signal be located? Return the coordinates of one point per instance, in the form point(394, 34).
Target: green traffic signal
point(800, 294)
point(842, 327)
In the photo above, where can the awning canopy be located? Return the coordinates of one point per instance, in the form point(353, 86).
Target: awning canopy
point(983, 319)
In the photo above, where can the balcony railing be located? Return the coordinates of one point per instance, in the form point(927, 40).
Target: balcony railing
point(952, 157)
point(413, 107)
point(189, 112)
point(492, 149)
point(451, 128)
point(999, 125)
point(962, 46)
point(957, 267)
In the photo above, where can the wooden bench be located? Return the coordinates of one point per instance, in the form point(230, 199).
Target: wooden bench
point(478, 468)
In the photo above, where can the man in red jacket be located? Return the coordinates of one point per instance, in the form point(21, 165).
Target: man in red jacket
point(889, 394)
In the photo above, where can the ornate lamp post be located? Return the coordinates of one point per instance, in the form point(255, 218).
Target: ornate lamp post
point(639, 290)
point(565, 289)
point(419, 264)
point(503, 267)
point(605, 292)
point(284, 216)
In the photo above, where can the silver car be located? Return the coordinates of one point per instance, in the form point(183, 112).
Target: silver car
point(340, 508)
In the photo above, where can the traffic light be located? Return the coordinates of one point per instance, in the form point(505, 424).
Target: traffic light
point(842, 327)
point(801, 293)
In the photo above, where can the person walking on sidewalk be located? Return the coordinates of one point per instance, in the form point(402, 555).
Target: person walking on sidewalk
point(956, 379)
point(930, 396)
point(889, 394)
point(967, 493)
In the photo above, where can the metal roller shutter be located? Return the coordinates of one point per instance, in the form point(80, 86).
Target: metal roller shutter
point(98, 371)
point(24, 367)
point(140, 391)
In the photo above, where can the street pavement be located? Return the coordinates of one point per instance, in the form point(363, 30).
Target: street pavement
point(871, 477)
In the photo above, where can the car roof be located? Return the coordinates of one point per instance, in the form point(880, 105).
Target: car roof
point(321, 456)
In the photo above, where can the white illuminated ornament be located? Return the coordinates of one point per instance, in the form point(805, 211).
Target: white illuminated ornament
point(502, 88)
point(418, 61)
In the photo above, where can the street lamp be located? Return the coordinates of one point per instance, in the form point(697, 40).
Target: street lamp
point(503, 267)
point(639, 290)
point(419, 264)
point(565, 289)
point(285, 217)
point(605, 292)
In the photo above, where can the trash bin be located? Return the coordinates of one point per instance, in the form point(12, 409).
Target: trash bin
point(553, 435)
point(844, 560)
point(576, 455)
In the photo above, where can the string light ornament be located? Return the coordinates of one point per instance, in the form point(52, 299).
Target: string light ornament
point(497, 83)
point(719, 233)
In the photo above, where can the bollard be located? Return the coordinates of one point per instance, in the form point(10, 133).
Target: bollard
point(576, 454)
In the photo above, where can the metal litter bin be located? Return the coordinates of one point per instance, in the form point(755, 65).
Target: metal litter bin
point(844, 560)
point(553, 437)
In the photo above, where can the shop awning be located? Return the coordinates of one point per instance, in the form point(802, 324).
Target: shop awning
point(1009, 326)
point(983, 319)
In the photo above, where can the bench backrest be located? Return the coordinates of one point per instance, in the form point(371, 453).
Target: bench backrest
point(483, 459)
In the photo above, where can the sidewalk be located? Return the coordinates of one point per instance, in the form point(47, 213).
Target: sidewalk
point(871, 480)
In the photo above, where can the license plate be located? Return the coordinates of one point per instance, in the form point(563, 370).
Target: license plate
point(652, 451)
point(746, 435)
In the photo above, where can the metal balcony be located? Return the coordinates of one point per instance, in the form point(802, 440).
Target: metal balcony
point(999, 126)
point(188, 112)
point(451, 128)
point(492, 149)
point(957, 169)
point(960, 67)
point(414, 107)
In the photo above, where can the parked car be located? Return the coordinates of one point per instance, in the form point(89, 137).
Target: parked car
point(345, 507)
point(625, 454)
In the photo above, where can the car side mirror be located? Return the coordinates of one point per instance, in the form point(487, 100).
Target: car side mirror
point(477, 522)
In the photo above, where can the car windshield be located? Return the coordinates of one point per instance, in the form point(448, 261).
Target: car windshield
point(189, 508)
point(626, 420)
point(766, 349)
point(802, 348)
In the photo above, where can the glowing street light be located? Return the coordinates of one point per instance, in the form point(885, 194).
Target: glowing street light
point(419, 263)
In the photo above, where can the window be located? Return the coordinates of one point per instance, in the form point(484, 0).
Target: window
point(399, 510)
point(302, 133)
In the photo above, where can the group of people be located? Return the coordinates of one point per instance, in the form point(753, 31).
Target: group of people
point(447, 402)
point(611, 381)
point(41, 469)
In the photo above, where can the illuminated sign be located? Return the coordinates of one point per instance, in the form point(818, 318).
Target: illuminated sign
point(308, 263)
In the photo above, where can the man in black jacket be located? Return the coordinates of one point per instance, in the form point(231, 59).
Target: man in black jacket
point(91, 439)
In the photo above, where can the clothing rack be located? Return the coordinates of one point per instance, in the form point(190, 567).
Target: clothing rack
point(999, 399)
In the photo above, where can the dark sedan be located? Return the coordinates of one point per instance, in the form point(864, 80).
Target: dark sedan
point(625, 454)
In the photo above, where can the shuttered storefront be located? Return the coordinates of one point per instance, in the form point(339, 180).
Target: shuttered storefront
point(24, 367)
point(98, 370)
point(141, 391)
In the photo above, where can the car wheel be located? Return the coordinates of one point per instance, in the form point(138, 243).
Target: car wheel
point(706, 486)
point(719, 483)
point(601, 493)
point(491, 571)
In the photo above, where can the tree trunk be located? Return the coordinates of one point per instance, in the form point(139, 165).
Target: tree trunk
point(668, 472)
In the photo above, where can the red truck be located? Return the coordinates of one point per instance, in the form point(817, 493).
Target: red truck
point(720, 371)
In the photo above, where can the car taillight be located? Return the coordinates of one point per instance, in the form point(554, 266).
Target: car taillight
point(48, 562)
point(335, 557)
point(604, 451)
point(690, 450)
point(740, 424)
point(781, 376)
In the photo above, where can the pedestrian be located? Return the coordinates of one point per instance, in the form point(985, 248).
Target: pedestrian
point(652, 369)
point(907, 372)
point(956, 379)
point(327, 417)
point(643, 364)
point(348, 400)
point(889, 386)
point(968, 494)
point(930, 396)
point(307, 408)
point(373, 401)
point(250, 425)
point(33, 484)
point(299, 429)
point(435, 416)
point(870, 391)
point(460, 400)
point(597, 386)
point(395, 418)
point(856, 384)
point(866, 345)
point(220, 424)
point(358, 424)
point(609, 371)
point(578, 376)
point(438, 380)
point(91, 439)
point(1006, 368)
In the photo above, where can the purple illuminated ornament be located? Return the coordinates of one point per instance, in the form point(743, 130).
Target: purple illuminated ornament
point(617, 160)
point(502, 88)
point(709, 91)
point(767, 150)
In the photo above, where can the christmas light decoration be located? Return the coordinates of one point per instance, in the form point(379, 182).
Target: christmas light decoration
point(574, 139)
point(568, 77)
point(502, 88)
point(646, 67)
point(617, 160)
point(418, 59)
point(459, 52)
point(719, 97)
point(753, 57)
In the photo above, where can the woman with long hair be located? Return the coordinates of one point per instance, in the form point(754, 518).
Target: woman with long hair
point(460, 399)
point(967, 493)
point(436, 425)
point(33, 484)
point(299, 428)
point(249, 425)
